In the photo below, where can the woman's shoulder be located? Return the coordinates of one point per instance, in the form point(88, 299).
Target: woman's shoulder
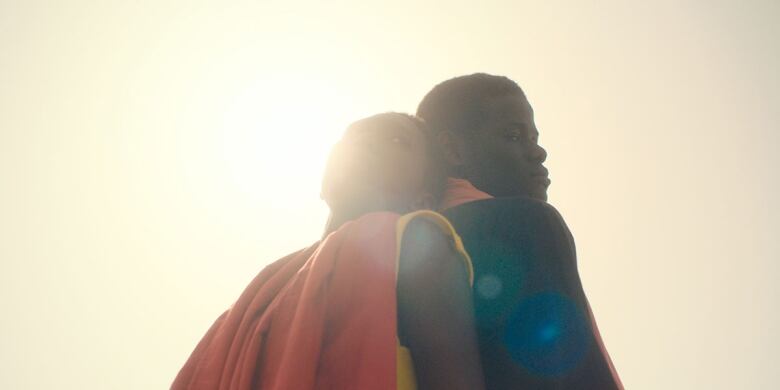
point(428, 241)
point(426, 230)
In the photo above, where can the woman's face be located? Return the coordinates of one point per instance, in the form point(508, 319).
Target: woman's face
point(379, 165)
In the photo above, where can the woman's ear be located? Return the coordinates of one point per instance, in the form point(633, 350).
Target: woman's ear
point(452, 148)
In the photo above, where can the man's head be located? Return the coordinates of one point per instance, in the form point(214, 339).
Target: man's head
point(487, 129)
point(376, 166)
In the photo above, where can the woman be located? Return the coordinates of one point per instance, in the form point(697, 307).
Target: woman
point(382, 302)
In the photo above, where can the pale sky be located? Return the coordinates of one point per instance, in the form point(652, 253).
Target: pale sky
point(155, 155)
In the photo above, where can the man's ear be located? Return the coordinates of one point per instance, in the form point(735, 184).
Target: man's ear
point(452, 148)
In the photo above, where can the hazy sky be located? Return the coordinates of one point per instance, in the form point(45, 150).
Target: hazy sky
point(154, 156)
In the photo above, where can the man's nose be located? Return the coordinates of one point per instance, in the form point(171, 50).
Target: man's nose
point(538, 154)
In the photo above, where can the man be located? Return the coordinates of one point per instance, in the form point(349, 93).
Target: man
point(535, 326)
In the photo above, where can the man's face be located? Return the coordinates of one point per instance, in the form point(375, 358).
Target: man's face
point(503, 156)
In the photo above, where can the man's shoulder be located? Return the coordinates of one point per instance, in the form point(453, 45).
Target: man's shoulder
point(524, 209)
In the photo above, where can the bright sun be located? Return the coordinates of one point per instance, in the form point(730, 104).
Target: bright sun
point(276, 133)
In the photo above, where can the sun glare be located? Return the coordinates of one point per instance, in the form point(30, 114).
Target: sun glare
point(276, 133)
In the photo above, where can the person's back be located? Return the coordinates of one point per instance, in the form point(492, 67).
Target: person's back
point(532, 315)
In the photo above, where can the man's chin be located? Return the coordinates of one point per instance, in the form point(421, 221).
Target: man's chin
point(540, 194)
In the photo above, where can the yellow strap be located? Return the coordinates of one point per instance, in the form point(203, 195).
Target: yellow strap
point(446, 228)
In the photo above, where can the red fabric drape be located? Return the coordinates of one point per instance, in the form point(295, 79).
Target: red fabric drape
point(323, 317)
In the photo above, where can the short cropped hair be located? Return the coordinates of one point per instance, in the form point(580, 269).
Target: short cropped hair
point(458, 104)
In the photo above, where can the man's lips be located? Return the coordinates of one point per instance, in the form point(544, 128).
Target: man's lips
point(542, 177)
point(542, 180)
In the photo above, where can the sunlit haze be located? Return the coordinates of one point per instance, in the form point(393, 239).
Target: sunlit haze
point(154, 156)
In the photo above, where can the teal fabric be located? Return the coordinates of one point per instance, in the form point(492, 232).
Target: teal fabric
point(532, 313)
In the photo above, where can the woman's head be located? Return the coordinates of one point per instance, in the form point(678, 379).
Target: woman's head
point(384, 163)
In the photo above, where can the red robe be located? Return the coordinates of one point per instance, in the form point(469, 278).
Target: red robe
point(323, 317)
